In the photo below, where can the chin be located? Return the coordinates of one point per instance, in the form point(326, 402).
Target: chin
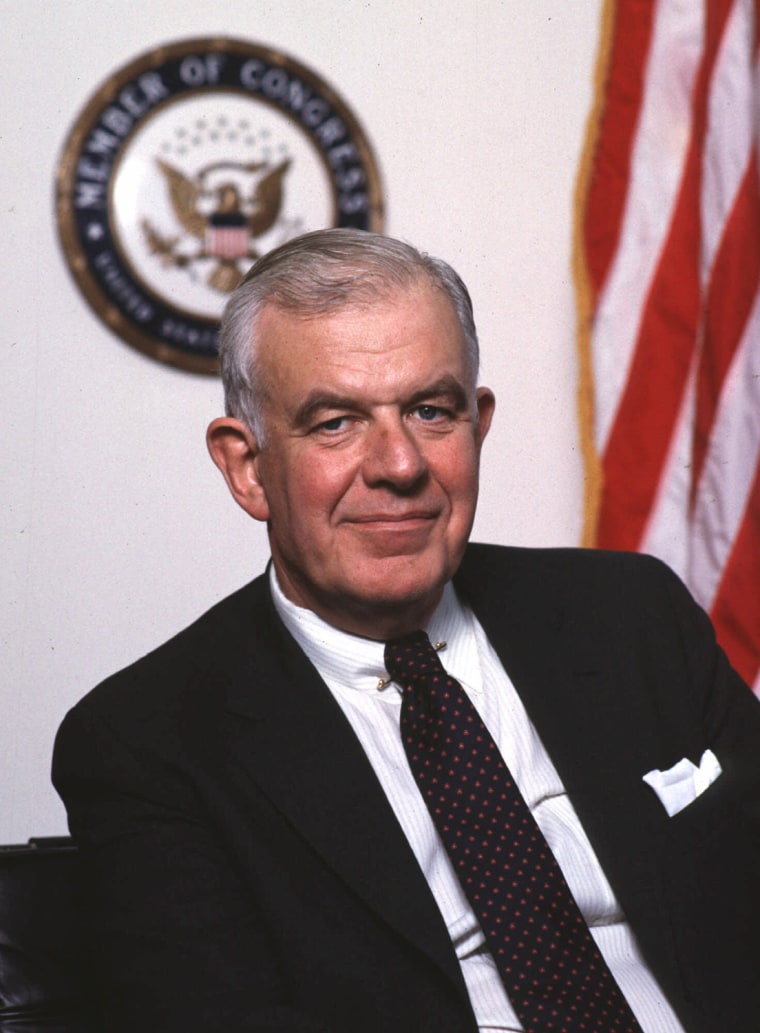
point(403, 581)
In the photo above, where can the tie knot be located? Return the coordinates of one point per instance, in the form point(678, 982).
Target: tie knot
point(411, 657)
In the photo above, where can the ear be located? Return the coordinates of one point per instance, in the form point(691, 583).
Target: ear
point(486, 403)
point(235, 450)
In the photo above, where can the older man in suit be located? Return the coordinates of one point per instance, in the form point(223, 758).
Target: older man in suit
point(401, 783)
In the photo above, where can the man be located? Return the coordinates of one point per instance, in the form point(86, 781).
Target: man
point(263, 850)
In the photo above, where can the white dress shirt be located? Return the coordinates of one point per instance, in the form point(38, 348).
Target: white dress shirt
point(354, 670)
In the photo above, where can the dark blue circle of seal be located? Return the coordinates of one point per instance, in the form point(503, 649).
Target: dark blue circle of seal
point(102, 133)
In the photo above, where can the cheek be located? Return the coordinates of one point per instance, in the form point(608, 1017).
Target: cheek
point(457, 473)
point(312, 488)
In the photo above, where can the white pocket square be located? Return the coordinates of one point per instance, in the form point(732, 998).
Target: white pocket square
point(680, 785)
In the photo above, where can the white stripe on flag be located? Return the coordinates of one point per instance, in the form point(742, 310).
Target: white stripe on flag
point(729, 469)
point(674, 331)
point(730, 129)
point(659, 153)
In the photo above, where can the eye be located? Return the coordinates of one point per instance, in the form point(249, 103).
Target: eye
point(333, 425)
point(430, 413)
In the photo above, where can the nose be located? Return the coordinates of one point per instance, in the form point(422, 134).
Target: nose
point(392, 456)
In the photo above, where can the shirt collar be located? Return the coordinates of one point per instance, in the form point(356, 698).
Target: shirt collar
point(355, 663)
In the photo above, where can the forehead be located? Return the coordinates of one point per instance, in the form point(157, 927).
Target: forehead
point(414, 326)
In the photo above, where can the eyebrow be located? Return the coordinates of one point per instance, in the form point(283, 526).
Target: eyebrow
point(319, 401)
point(447, 387)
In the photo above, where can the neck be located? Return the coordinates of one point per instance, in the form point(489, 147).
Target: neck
point(377, 621)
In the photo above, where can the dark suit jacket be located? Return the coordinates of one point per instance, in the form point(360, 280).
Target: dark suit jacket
point(247, 872)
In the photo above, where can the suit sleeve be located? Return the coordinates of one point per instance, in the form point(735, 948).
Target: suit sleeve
point(709, 852)
point(178, 945)
point(730, 713)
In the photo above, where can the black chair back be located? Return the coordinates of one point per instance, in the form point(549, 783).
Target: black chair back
point(42, 967)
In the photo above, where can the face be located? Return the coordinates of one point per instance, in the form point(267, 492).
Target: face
point(368, 477)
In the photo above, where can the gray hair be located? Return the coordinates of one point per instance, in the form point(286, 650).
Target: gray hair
point(318, 274)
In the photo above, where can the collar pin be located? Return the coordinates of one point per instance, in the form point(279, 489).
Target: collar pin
point(382, 682)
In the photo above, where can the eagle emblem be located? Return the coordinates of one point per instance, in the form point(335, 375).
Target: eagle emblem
point(225, 208)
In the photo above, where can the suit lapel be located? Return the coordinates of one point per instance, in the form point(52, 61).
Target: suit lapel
point(568, 683)
point(583, 694)
point(292, 738)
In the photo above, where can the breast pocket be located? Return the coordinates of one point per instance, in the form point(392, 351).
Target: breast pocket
point(716, 811)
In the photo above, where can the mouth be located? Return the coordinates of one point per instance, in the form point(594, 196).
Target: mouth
point(400, 520)
point(393, 534)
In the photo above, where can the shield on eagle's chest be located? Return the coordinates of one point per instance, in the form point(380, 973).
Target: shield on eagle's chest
point(227, 235)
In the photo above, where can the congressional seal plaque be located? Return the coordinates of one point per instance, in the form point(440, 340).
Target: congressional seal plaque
point(187, 165)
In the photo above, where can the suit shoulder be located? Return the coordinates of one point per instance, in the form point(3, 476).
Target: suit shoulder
point(159, 679)
point(593, 581)
point(572, 562)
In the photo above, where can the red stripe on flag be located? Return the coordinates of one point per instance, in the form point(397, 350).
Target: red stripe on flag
point(731, 295)
point(641, 435)
point(673, 252)
point(632, 33)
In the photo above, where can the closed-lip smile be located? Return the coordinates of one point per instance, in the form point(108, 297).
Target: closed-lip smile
point(393, 518)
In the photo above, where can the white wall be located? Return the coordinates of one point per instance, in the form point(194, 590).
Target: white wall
point(116, 529)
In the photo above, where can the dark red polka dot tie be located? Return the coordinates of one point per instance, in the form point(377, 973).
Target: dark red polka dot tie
point(552, 970)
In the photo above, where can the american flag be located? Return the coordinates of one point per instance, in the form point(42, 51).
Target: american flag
point(668, 251)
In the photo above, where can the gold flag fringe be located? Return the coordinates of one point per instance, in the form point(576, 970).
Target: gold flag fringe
point(592, 467)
